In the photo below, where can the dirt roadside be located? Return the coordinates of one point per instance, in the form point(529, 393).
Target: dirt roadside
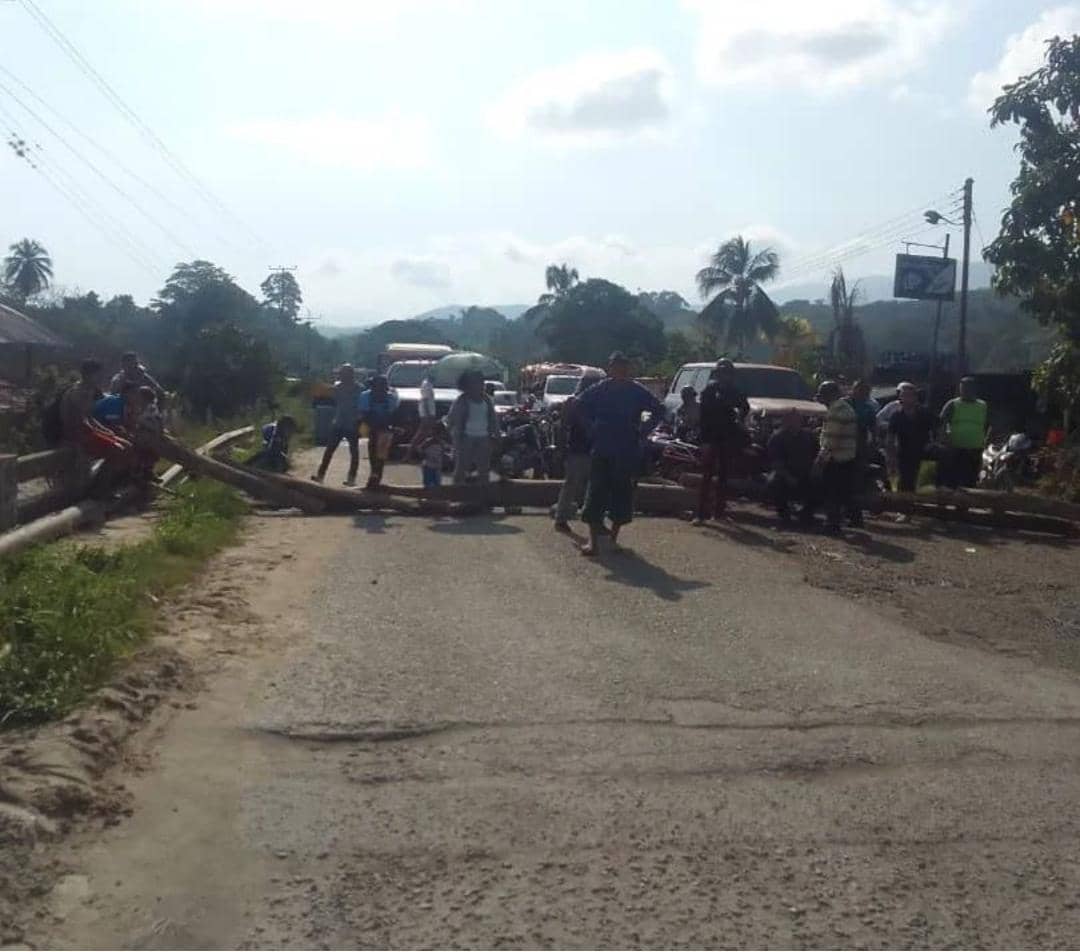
point(70, 776)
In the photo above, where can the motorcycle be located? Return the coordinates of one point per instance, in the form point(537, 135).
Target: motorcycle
point(1009, 464)
point(668, 457)
point(522, 447)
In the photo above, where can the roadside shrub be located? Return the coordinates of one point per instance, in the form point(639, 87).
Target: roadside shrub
point(68, 614)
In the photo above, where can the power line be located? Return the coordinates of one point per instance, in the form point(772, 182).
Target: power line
point(98, 172)
point(905, 220)
point(179, 209)
point(80, 61)
point(114, 231)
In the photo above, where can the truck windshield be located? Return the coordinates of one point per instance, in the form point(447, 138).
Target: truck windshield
point(407, 375)
point(772, 382)
point(560, 385)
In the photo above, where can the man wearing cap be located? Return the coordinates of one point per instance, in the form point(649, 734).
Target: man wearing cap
point(964, 420)
point(911, 431)
point(836, 460)
point(612, 411)
point(723, 409)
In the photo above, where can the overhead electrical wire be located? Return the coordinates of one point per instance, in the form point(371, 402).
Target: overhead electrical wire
point(184, 212)
point(98, 172)
point(101, 220)
point(83, 65)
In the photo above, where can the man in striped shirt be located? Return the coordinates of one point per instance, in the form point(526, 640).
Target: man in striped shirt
point(837, 457)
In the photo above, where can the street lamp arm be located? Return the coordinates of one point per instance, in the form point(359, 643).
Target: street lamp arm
point(936, 218)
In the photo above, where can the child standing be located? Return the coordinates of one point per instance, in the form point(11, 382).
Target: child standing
point(432, 450)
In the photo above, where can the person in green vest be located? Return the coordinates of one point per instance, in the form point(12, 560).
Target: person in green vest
point(964, 421)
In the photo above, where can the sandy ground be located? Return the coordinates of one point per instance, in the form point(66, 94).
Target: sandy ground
point(408, 732)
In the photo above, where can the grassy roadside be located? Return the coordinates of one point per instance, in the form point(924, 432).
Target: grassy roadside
point(68, 615)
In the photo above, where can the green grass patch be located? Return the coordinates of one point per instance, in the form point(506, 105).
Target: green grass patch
point(69, 614)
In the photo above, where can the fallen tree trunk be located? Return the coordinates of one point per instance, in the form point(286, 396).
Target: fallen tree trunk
point(978, 507)
point(217, 443)
point(256, 486)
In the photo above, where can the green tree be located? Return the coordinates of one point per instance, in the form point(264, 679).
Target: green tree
point(559, 279)
point(281, 291)
point(596, 317)
point(739, 309)
point(671, 307)
point(1037, 252)
point(846, 346)
point(223, 369)
point(27, 268)
point(199, 294)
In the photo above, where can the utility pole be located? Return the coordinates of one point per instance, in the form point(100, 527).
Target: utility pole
point(937, 330)
point(961, 350)
point(281, 268)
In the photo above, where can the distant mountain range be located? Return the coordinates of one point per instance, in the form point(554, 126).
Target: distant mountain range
point(510, 311)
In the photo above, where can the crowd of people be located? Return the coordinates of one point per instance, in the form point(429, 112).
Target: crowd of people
point(607, 418)
point(110, 426)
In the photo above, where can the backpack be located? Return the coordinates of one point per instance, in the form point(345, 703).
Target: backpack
point(52, 421)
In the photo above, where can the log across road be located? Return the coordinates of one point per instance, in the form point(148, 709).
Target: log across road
point(458, 732)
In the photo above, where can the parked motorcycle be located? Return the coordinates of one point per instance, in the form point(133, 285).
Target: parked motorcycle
point(1009, 464)
point(522, 447)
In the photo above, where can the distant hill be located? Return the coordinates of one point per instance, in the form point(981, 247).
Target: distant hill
point(509, 311)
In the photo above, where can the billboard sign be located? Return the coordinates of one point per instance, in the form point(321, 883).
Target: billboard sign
point(924, 278)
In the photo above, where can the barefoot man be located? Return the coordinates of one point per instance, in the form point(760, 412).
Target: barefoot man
point(613, 411)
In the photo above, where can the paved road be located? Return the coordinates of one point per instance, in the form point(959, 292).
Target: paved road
point(468, 735)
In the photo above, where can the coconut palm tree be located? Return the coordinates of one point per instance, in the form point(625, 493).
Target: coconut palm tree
point(559, 278)
point(735, 275)
point(27, 268)
point(846, 345)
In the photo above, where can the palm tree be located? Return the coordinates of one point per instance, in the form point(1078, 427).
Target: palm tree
point(741, 305)
point(559, 278)
point(846, 343)
point(28, 268)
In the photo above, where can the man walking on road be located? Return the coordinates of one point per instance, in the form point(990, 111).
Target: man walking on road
point(911, 431)
point(837, 457)
point(345, 426)
point(612, 410)
point(473, 428)
point(576, 456)
point(723, 408)
point(964, 420)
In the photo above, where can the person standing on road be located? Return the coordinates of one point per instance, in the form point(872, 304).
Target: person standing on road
point(427, 413)
point(473, 427)
point(911, 431)
point(964, 420)
point(836, 461)
point(432, 451)
point(377, 406)
point(723, 408)
point(576, 455)
point(612, 410)
point(345, 426)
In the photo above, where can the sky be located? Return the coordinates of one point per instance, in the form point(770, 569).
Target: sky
point(407, 155)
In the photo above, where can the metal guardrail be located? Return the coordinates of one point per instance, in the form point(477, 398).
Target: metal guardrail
point(70, 472)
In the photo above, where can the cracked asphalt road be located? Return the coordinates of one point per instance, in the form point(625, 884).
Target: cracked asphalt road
point(464, 734)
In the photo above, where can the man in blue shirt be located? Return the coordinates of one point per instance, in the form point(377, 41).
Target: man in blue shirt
point(612, 411)
point(377, 406)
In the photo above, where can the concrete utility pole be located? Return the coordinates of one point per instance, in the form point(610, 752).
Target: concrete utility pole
point(961, 349)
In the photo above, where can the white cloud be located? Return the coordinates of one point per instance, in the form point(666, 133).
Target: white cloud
point(604, 97)
point(1024, 52)
point(421, 272)
point(825, 46)
point(389, 141)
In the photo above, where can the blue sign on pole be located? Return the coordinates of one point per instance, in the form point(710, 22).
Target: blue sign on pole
point(924, 278)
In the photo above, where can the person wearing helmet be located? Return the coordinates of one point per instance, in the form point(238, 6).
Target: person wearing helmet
point(723, 408)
